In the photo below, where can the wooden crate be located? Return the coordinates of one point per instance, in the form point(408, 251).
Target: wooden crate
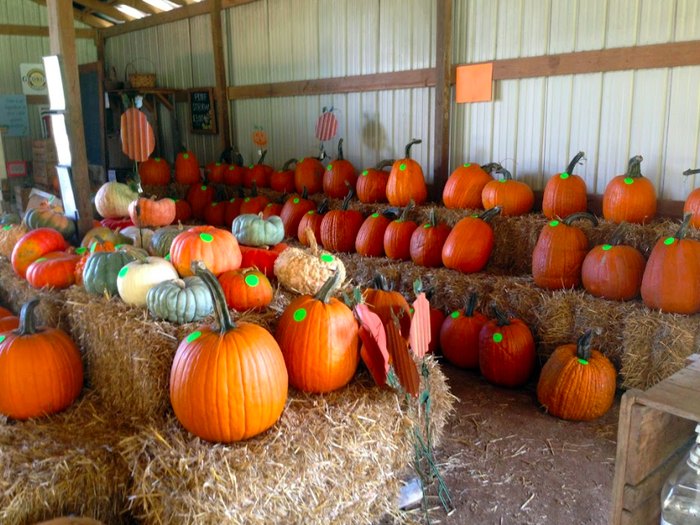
point(656, 429)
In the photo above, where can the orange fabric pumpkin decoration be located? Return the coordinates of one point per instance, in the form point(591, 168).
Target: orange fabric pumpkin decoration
point(258, 174)
point(464, 186)
point(565, 193)
point(613, 271)
point(459, 335)
point(218, 249)
point(340, 176)
point(41, 371)
point(630, 197)
point(514, 197)
point(339, 227)
point(319, 338)
point(312, 221)
point(53, 270)
point(152, 213)
point(577, 382)
point(559, 253)
point(427, 242)
point(371, 184)
point(293, 210)
point(308, 173)
point(692, 202)
point(187, 168)
point(229, 383)
point(506, 351)
point(671, 281)
point(35, 244)
point(370, 237)
point(397, 236)
point(406, 181)
point(246, 289)
point(283, 180)
point(154, 172)
point(469, 245)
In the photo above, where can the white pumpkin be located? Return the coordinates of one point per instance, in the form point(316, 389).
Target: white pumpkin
point(113, 198)
point(137, 277)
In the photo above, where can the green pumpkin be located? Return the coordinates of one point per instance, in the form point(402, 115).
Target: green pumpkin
point(101, 271)
point(252, 230)
point(44, 216)
point(180, 300)
point(162, 239)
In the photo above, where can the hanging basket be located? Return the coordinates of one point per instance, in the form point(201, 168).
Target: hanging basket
point(137, 79)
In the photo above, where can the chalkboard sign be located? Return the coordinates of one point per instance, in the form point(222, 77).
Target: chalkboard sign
point(202, 113)
point(14, 117)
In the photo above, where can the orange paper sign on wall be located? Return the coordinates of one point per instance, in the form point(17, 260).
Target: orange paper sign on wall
point(474, 83)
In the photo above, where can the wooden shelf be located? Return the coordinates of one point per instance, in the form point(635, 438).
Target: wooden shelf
point(656, 429)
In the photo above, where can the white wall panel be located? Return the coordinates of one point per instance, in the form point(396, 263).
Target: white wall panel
point(657, 19)
point(687, 24)
point(591, 18)
point(584, 128)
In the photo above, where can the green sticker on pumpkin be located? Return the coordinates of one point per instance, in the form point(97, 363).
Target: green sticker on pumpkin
point(123, 272)
point(629, 180)
point(583, 361)
point(206, 237)
point(157, 159)
point(250, 166)
point(402, 167)
point(411, 310)
point(186, 156)
point(467, 164)
point(426, 225)
point(217, 164)
point(364, 173)
point(503, 180)
point(296, 200)
point(118, 246)
point(252, 280)
point(326, 257)
point(564, 176)
point(81, 250)
point(2, 338)
point(300, 315)
point(497, 337)
point(40, 259)
point(329, 167)
point(232, 199)
point(455, 314)
point(167, 257)
point(247, 199)
point(203, 188)
point(554, 223)
point(310, 212)
point(7, 227)
point(214, 203)
point(607, 247)
point(193, 336)
point(375, 215)
point(668, 241)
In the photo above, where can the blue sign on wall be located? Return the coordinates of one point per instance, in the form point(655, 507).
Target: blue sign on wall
point(14, 116)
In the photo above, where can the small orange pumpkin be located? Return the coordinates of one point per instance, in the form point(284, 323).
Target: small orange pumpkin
point(406, 181)
point(218, 249)
point(187, 168)
point(630, 197)
point(340, 176)
point(154, 172)
point(152, 213)
point(514, 197)
point(692, 202)
point(565, 193)
point(246, 289)
point(371, 184)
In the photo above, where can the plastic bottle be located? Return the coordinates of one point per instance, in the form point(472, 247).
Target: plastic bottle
point(680, 497)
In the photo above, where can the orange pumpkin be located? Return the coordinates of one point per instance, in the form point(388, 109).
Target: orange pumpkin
point(406, 181)
point(199, 197)
point(246, 289)
point(152, 213)
point(283, 180)
point(577, 382)
point(187, 168)
point(183, 210)
point(386, 303)
point(308, 173)
point(340, 176)
point(53, 270)
point(41, 371)
point(371, 184)
point(312, 221)
point(258, 174)
point(427, 242)
point(255, 203)
point(319, 338)
point(464, 186)
point(514, 197)
point(293, 210)
point(459, 335)
point(630, 197)
point(154, 172)
point(218, 249)
point(397, 236)
point(339, 227)
point(35, 244)
point(692, 202)
point(469, 245)
point(565, 193)
point(215, 214)
point(370, 237)
point(215, 172)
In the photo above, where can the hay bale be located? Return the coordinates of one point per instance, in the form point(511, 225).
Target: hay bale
point(15, 291)
point(63, 464)
point(331, 458)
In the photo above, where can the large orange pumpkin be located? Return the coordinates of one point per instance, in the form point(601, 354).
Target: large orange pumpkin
point(187, 168)
point(469, 245)
point(319, 338)
point(370, 237)
point(406, 181)
point(630, 197)
point(397, 235)
point(459, 335)
point(154, 172)
point(577, 382)
point(283, 180)
point(293, 210)
point(371, 184)
point(339, 227)
point(41, 371)
point(311, 221)
point(464, 186)
point(308, 173)
point(228, 383)
point(565, 193)
point(35, 244)
point(427, 242)
point(340, 176)
point(218, 249)
point(258, 174)
point(514, 197)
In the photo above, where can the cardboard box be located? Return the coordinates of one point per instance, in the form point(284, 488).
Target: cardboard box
point(28, 198)
point(44, 150)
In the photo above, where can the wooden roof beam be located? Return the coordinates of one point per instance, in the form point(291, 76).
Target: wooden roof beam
point(106, 9)
point(85, 18)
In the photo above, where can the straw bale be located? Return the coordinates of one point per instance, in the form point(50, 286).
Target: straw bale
point(63, 464)
point(331, 459)
point(15, 291)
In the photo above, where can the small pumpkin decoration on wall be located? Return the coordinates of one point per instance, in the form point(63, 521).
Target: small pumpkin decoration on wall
point(41, 371)
point(577, 382)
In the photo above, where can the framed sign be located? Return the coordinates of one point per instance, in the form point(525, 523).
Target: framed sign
point(202, 111)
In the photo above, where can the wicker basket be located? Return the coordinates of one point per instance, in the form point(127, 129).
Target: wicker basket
point(139, 80)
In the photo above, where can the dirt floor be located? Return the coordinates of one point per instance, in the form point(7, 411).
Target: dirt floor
point(506, 462)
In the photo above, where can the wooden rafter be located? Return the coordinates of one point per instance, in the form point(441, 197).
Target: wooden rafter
point(82, 16)
point(22, 30)
point(95, 6)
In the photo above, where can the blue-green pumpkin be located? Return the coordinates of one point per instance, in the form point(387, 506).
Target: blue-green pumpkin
point(252, 230)
point(101, 271)
point(162, 239)
point(180, 300)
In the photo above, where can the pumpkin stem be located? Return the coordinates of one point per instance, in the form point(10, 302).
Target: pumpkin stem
point(691, 172)
point(410, 145)
point(501, 317)
point(348, 197)
point(409, 207)
point(683, 228)
point(507, 175)
point(581, 215)
point(286, 165)
point(379, 282)
point(471, 305)
point(386, 163)
point(305, 193)
point(262, 156)
point(634, 169)
point(225, 156)
point(432, 221)
point(254, 190)
point(324, 293)
point(619, 233)
point(322, 207)
point(340, 150)
point(572, 165)
point(223, 315)
point(491, 167)
point(311, 237)
point(238, 159)
point(583, 345)
point(490, 213)
point(27, 319)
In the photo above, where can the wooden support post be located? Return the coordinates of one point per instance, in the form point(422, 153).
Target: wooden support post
point(443, 101)
point(62, 42)
point(220, 71)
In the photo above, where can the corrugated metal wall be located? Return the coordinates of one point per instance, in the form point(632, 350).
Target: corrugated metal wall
point(284, 40)
point(535, 126)
point(16, 50)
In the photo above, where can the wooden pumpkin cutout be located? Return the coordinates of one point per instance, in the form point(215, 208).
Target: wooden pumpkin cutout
point(138, 140)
